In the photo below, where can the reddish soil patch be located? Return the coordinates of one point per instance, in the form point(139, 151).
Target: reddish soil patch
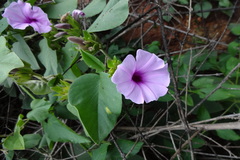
point(201, 31)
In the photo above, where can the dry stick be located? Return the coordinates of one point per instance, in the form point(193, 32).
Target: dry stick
point(185, 143)
point(131, 149)
point(177, 93)
point(77, 156)
point(140, 133)
point(142, 35)
point(118, 148)
point(173, 143)
point(126, 28)
point(213, 91)
point(200, 153)
point(211, 10)
point(217, 42)
point(144, 156)
point(192, 126)
point(230, 153)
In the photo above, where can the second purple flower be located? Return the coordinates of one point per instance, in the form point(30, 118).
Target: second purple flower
point(145, 78)
point(21, 15)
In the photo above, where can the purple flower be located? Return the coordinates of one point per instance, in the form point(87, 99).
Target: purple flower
point(21, 15)
point(76, 14)
point(145, 78)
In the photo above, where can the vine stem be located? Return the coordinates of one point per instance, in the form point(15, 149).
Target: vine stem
point(105, 53)
point(26, 91)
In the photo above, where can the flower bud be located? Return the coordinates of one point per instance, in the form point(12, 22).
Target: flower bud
point(78, 41)
point(60, 34)
point(63, 26)
point(76, 14)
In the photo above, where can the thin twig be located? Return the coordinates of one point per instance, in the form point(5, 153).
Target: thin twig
point(193, 126)
point(215, 89)
point(118, 148)
point(184, 144)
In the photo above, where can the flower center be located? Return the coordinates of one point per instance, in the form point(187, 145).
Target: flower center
point(137, 77)
point(30, 20)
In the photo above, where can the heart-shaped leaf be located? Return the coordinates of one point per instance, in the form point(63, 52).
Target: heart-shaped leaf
point(98, 104)
point(113, 15)
point(8, 61)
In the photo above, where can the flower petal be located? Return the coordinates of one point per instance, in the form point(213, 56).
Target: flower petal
point(42, 23)
point(147, 93)
point(136, 95)
point(157, 89)
point(160, 76)
point(39, 15)
point(147, 61)
point(26, 8)
point(126, 88)
point(121, 76)
point(40, 28)
point(125, 70)
point(129, 64)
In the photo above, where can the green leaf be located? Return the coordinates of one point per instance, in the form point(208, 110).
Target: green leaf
point(100, 153)
point(80, 150)
point(203, 113)
point(213, 107)
point(232, 89)
point(98, 104)
point(31, 140)
point(168, 13)
point(45, 141)
point(32, 2)
point(188, 101)
point(38, 87)
point(59, 132)
point(228, 134)
point(154, 47)
point(220, 94)
point(8, 61)
point(23, 51)
point(94, 8)
point(73, 110)
point(92, 61)
point(233, 48)
point(113, 15)
point(235, 28)
point(48, 58)
point(9, 155)
point(39, 111)
point(3, 25)
point(183, 1)
point(125, 146)
point(15, 141)
point(206, 82)
point(224, 3)
point(69, 56)
point(230, 64)
point(201, 6)
point(60, 7)
point(198, 142)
